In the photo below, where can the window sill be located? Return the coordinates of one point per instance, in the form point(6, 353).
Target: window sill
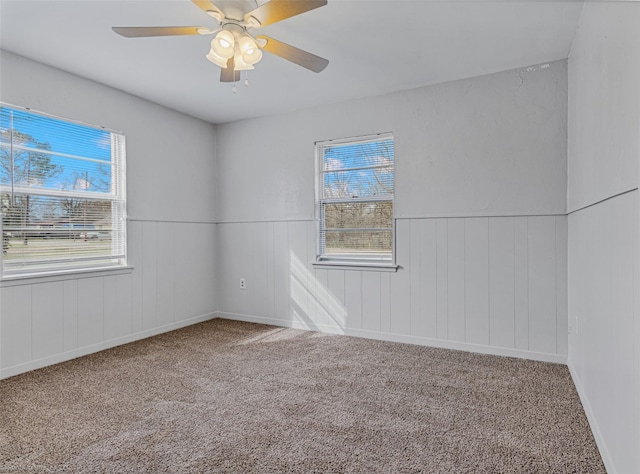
point(61, 275)
point(359, 266)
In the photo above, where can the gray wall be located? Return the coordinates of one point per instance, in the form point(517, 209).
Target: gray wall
point(480, 208)
point(171, 242)
point(604, 149)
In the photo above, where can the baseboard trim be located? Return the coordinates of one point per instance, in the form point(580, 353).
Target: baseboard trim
point(86, 350)
point(422, 341)
point(593, 422)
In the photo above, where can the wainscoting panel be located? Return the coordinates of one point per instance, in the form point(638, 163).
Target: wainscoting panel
point(16, 325)
point(70, 315)
point(490, 284)
point(603, 292)
point(502, 282)
point(47, 315)
point(172, 284)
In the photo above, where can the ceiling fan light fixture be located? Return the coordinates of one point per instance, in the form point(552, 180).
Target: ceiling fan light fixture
point(216, 59)
point(240, 65)
point(251, 54)
point(223, 44)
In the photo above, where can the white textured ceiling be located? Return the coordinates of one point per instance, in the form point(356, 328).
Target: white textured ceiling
point(374, 47)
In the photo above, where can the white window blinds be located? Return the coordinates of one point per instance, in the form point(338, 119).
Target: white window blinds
point(354, 198)
point(62, 191)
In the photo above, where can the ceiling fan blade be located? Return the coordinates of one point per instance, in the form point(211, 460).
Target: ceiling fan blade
point(295, 55)
point(146, 31)
point(207, 6)
point(278, 10)
point(228, 74)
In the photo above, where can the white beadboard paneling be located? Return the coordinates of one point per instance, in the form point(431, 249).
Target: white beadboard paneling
point(602, 268)
point(203, 267)
point(281, 269)
point(622, 337)
point(323, 300)
point(47, 316)
point(109, 308)
point(124, 305)
point(336, 287)
point(502, 282)
point(271, 266)
point(149, 275)
point(165, 271)
point(562, 323)
point(353, 298)
point(336, 290)
point(456, 280)
point(299, 277)
point(90, 311)
point(117, 306)
point(521, 282)
point(15, 311)
point(400, 290)
point(183, 256)
point(418, 323)
point(442, 277)
point(206, 270)
point(542, 284)
point(260, 281)
point(370, 294)
point(471, 278)
point(333, 284)
point(70, 315)
point(312, 304)
point(476, 280)
point(385, 303)
point(241, 265)
point(228, 291)
point(428, 288)
point(134, 257)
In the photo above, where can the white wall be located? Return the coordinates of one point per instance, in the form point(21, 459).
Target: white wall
point(480, 207)
point(603, 154)
point(172, 236)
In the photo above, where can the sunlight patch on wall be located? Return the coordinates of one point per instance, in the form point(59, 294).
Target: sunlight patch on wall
point(312, 303)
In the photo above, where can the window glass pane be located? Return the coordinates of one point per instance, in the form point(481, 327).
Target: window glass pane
point(62, 193)
point(359, 215)
point(355, 208)
point(358, 242)
point(40, 132)
point(358, 170)
point(41, 229)
point(359, 183)
point(48, 153)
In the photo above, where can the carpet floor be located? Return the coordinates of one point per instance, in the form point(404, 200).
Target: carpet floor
point(226, 396)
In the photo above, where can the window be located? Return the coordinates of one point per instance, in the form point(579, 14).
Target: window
point(354, 201)
point(62, 192)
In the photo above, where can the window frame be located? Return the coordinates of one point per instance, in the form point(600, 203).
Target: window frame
point(117, 196)
point(350, 260)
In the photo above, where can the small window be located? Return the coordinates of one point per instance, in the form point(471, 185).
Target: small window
point(354, 201)
point(62, 191)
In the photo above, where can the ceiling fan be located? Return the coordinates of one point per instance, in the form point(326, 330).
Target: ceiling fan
point(234, 48)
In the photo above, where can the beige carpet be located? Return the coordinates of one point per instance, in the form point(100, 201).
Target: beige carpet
point(226, 396)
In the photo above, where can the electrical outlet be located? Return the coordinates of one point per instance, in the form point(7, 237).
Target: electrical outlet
point(243, 284)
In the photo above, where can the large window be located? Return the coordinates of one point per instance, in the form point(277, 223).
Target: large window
point(354, 200)
point(62, 193)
